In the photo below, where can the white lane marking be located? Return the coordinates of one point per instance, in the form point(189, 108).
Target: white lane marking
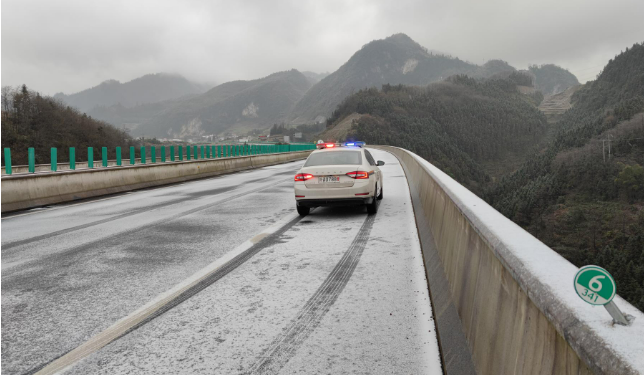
point(123, 325)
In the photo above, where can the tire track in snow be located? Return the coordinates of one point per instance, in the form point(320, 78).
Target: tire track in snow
point(284, 346)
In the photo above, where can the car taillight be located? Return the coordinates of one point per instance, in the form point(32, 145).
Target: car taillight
point(358, 175)
point(329, 145)
point(303, 176)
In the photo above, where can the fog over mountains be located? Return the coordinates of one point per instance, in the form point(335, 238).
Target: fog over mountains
point(147, 89)
point(170, 106)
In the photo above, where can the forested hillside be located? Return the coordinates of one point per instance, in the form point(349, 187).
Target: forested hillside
point(578, 198)
point(32, 120)
point(473, 130)
point(150, 88)
point(551, 79)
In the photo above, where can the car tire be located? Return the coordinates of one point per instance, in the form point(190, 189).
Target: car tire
point(303, 211)
point(372, 208)
point(381, 195)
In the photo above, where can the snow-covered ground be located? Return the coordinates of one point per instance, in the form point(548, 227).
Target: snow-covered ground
point(70, 272)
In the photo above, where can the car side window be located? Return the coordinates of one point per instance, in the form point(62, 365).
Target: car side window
point(370, 158)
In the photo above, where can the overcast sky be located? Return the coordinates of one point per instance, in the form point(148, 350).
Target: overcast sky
point(68, 45)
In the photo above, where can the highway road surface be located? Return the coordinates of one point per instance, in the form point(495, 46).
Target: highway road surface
point(217, 276)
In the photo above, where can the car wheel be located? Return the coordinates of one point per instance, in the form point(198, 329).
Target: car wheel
point(303, 211)
point(372, 207)
point(380, 196)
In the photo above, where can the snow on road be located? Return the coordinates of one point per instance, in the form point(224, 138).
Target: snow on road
point(358, 280)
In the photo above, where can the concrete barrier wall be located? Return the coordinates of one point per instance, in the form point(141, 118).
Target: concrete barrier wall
point(33, 190)
point(514, 296)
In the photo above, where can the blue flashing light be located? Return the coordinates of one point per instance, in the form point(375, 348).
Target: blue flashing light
point(351, 144)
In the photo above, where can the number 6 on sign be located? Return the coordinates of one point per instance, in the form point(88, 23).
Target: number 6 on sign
point(595, 285)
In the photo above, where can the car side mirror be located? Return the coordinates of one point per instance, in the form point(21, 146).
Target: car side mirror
point(381, 163)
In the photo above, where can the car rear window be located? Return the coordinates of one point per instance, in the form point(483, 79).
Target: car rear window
point(334, 158)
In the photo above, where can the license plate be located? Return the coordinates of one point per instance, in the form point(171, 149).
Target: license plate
point(328, 179)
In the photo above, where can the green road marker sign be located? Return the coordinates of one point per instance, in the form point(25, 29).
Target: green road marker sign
point(596, 286)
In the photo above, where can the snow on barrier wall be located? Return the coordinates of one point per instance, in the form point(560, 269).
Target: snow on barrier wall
point(514, 296)
point(34, 190)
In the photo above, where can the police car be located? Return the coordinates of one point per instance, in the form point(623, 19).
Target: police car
point(339, 174)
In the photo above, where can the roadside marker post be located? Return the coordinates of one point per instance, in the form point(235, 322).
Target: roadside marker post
point(132, 156)
point(171, 153)
point(195, 152)
point(162, 154)
point(202, 152)
point(180, 153)
point(72, 158)
point(188, 152)
point(119, 160)
point(596, 286)
point(104, 154)
point(142, 154)
point(207, 152)
point(7, 160)
point(31, 159)
point(90, 157)
point(54, 159)
point(153, 155)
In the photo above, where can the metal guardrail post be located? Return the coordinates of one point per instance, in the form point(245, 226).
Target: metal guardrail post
point(31, 159)
point(54, 159)
point(90, 157)
point(104, 155)
point(207, 152)
point(171, 153)
point(119, 160)
point(195, 152)
point(188, 156)
point(142, 154)
point(72, 158)
point(162, 154)
point(202, 151)
point(7, 160)
point(153, 154)
point(132, 155)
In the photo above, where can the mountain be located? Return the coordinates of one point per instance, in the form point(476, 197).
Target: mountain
point(473, 130)
point(147, 89)
point(238, 105)
point(493, 68)
point(394, 60)
point(315, 77)
point(551, 79)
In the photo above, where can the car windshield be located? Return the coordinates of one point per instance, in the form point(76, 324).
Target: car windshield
point(334, 158)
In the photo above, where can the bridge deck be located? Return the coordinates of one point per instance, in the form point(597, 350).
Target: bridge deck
point(335, 292)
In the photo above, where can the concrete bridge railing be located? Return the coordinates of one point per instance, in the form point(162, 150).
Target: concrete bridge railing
point(503, 301)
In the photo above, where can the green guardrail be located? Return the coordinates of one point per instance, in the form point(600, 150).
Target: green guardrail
point(195, 152)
